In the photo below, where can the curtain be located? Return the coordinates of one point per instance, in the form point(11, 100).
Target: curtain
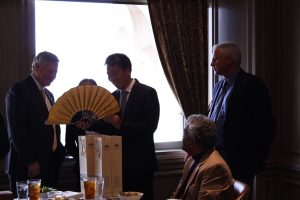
point(180, 32)
point(17, 42)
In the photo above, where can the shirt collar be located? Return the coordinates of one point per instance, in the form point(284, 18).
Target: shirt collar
point(36, 82)
point(129, 87)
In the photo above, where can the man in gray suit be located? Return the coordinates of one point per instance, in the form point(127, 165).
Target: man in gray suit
point(35, 148)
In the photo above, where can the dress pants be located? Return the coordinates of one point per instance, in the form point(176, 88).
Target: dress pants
point(139, 182)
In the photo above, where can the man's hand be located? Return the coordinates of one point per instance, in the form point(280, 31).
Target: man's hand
point(33, 169)
point(84, 123)
point(113, 120)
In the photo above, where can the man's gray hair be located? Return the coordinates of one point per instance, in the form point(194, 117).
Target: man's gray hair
point(43, 57)
point(201, 129)
point(230, 49)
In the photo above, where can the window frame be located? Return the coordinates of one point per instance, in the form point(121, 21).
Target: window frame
point(159, 146)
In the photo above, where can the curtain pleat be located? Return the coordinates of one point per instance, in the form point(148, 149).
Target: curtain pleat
point(180, 32)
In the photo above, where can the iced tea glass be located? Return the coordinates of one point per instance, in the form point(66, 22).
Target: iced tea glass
point(90, 187)
point(34, 186)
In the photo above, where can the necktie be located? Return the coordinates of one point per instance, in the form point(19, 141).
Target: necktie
point(49, 106)
point(124, 94)
point(215, 112)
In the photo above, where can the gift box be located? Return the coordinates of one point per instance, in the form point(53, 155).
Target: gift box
point(101, 155)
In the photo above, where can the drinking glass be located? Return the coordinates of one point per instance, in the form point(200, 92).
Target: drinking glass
point(90, 185)
point(34, 186)
point(22, 190)
point(100, 187)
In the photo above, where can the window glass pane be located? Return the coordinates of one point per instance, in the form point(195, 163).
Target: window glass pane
point(82, 35)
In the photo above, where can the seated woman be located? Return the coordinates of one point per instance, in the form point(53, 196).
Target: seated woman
point(206, 175)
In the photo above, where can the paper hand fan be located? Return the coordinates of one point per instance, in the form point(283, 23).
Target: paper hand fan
point(88, 102)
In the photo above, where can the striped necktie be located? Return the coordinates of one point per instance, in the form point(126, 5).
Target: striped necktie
point(215, 112)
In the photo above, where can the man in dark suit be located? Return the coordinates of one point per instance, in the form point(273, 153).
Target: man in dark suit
point(136, 124)
point(35, 148)
point(242, 111)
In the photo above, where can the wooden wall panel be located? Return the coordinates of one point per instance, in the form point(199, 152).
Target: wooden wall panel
point(291, 66)
point(17, 42)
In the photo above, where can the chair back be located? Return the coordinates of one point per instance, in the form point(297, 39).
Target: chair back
point(241, 190)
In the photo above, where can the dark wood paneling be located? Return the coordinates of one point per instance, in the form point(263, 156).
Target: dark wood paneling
point(17, 42)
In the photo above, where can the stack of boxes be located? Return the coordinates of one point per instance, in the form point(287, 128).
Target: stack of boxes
point(101, 156)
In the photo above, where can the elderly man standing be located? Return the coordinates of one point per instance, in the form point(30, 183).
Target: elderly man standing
point(35, 148)
point(205, 175)
point(241, 108)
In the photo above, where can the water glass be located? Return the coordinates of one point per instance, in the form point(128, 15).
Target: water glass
point(22, 190)
point(99, 188)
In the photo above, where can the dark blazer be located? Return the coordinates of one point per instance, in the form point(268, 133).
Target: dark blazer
point(30, 139)
point(4, 145)
point(138, 126)
point(249, 125)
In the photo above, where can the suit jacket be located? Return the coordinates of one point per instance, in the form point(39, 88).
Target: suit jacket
point(139, 123)
point(211, 179)
point(4, 145)
point(249, 125)
point(30, 139)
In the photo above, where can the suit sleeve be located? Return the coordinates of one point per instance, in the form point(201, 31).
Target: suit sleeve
point(215, 184)
point(17, 117)
point(4, 144)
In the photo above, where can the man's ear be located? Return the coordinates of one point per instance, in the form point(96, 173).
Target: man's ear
point(229, 60)
point(128, 71)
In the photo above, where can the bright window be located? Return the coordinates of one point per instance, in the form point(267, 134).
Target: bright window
point(82, 35)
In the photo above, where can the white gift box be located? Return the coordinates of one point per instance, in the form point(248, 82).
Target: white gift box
point(101, 155)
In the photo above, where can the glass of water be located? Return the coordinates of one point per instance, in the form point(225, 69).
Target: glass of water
point(22, 190)
point(99, 188)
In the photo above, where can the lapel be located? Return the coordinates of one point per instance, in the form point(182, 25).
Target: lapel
point(236, 91)
point(36, 93)
point(197, 170)
point(134, 93)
